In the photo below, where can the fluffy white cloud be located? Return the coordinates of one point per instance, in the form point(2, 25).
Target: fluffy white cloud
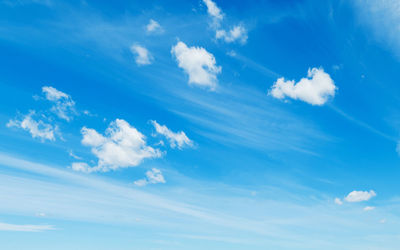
point(176, 139)
point(153, 26)
point(37, 128)
point(338, 201)
point(213, 10)
point(142, 55)
point(315, 89)
point(25, 228)
point(199, 64)
point(358, 196)
point(153, 176)
point(368, 208)
point(237, 33)
point(122, 146)
point(64, 106)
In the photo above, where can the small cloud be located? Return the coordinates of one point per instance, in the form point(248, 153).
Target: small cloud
point(213, 11)
point(73, 155)
point(231, 53)
point(122, 146)
point(338, 201)
point(198, 63)
point(25, 228)
point(37, 128)
point(358, 196)
point(382, 221)
point(178, 139)
point(315, 89)
point(153, 176)
point(153, 27)
point(368, 208)
point(40, 215)
point(237, 33)
point(142, 55)
point(64, 106)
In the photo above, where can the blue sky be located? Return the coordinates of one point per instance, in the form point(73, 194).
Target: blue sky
point(199, 124)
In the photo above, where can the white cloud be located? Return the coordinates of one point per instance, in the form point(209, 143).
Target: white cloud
point(315, 89)
point(142, 55)
point(64, 106)
point(153, 26)
point(153, 176)
point(213, 10)
point(199, 64)
point(368, 208)
point(37, 128)
point(71, 153)
point(358, 196)
point(178, 139)
point(237, 33)
point(338, 201)
point(122, 146)
point(25, 228)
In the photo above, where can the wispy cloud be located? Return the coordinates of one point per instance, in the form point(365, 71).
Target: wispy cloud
point(142, 55)
point(153, 176)
point(25, 228)
point(176, 139)
point(64, 106)
point(37, 128)
point(153, 27)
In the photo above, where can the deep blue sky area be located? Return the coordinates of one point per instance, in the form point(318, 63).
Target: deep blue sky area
point(199, 124)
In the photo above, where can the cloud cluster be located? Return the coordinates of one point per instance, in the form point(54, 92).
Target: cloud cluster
point(315, 89)
point(64, 106)
point(176, 139)
point(142, 55)
point(122, 146)
point(153, 176)
point(198, 63)
point(37, 128)
point(233, 34)
point(236, 33)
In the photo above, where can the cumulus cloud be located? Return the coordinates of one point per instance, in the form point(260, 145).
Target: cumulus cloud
point(122, 146)
point(237, 33)
point(25, 228)
point(315, 89)
point(358, 196)
point(176, 139)
point(198, 63)
point(37, 128)
point(64, 106)
point(142, 55)
point(338, 201)
point(213, 10)
point(153, 26)
point(153, 176)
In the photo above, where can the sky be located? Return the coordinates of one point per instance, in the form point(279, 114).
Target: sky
point(202, 124)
